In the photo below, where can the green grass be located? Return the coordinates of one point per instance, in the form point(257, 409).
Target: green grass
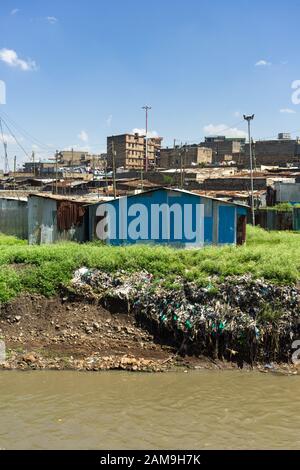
point(272, 255)
point(282, 207)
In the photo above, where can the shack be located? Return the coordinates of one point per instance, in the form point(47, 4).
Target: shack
point(53, 218)
point(13, 216)
point(168, 216)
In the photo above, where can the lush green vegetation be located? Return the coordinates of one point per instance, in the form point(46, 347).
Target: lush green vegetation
point(281, 207)
point(272, 255)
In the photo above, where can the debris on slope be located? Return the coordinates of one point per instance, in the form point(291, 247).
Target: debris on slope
point(241, 318)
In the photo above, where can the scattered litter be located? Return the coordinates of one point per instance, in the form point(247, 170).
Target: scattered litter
point(241, 318)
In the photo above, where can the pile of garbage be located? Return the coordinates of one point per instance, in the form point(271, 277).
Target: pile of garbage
point(114, 291)
point(239, 319)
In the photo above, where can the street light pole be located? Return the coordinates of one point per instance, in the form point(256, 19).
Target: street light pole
point(146, 108)
point(249, 119)
point(114, 168)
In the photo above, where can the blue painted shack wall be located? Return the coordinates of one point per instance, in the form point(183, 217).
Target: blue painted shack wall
point(219, 217)
point(14, 217)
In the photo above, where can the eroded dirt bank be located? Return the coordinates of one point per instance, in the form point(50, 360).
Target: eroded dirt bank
point(59, 333)
point(41, 333)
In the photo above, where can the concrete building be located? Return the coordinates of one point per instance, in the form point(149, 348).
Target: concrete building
point(187, 156)
point(65, 159)
point(234, 183)
point(46, 167)
point(212, 221)
point(130, 151)
point(273, 152)
point(71, 158)
point(222, 146)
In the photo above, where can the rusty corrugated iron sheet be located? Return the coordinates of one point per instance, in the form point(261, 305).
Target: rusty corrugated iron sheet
point(69, 214)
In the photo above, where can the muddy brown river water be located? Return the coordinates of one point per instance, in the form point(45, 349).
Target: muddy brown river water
point(110, 410)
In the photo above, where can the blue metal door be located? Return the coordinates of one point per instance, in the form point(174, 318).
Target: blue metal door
point(226, 224)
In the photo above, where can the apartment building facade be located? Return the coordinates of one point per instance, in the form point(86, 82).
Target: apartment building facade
point(130, 151)
point(273, 152)
point(187, 156)
point(222, 146)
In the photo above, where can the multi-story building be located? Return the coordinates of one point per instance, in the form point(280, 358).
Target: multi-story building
point(222, 146)
point(187, 156)
point(273, 152)
point(72, 158)
point(130, 151)
point(66, 159)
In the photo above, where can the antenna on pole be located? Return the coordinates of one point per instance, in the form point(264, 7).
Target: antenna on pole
point(114, 168)
point(146, 108)
point(249, 119)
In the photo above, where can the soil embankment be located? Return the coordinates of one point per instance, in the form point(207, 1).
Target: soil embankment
point(126, 321)
point(41, 333)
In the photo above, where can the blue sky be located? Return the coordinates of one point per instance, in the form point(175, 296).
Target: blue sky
point(76, 71)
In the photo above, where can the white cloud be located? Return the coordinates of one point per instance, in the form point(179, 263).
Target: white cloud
point(8, 139)
point(222, 129)
point(83, 136)
point(51, 19)
point(143, 132)
point(78, 148)
point(10, 57)
point(287, 111)
point(109, 120)
point(14, 11)
point(262, 63)
point(237, 114)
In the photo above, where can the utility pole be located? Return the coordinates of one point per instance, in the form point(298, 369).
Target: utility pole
point(6, 168)
point(106, 180)
point(114, 168)
point(15, 170)
point(254, 155)
point(33, 163)
point(56, 171)
point(146, 108)
point(181, 167)
point(249, 119)
point(72, 175)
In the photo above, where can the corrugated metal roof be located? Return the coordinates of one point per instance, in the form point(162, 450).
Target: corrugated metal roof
point(78, 199)
point(186, 192)
point(14, 198)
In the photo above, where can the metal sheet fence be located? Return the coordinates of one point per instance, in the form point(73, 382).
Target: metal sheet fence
point(14, 217)
point(278, 220)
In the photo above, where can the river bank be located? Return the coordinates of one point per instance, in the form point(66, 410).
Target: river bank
point(60, 334)
point(94, 307)
point(77, 332)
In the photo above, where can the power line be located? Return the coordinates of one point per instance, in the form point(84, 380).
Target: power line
point(26, 134)
point(221, 132)
point(14, 137)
